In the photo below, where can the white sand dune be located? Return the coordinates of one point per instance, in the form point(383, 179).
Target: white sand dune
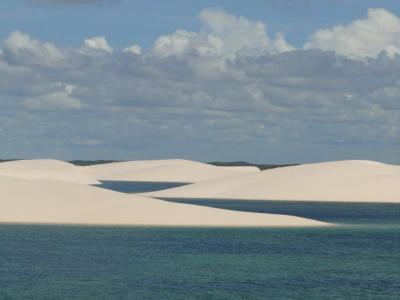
point(45, 201)
point(47, 169)
point(169, 170)
point(356, 180)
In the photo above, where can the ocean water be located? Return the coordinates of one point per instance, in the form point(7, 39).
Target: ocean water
point(356, 261)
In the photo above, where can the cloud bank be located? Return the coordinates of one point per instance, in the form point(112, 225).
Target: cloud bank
point(227, 91)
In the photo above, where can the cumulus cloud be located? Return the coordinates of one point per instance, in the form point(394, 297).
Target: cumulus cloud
point(366, 38)
point(212, 94)
point(98, 43)
point(222, 35)
point(135, 49)
point(23, 49)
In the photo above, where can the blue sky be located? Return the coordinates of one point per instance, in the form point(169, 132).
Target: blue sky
point(264, 81)
point(142, 21)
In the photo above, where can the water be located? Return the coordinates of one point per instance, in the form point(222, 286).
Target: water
point(67, 262)
point(131, 187)
point(74, 262)
point(335, 212)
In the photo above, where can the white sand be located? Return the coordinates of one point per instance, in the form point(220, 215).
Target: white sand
point(45, 201)
point(354, 181)
point(169, 170)
point(47, 169)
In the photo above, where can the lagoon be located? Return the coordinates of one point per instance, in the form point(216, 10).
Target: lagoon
point(360, 259)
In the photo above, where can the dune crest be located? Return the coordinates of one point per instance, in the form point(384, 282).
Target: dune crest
point(47, 169)
point(353, 180)
point(168, 170)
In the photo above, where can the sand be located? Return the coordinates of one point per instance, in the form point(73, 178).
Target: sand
point(53, 202)
point(55, 192)
point(169, 170)
point(47, 169)
point(348, 181)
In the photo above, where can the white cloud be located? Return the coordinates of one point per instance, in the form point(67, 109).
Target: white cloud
point(22, 48)
point(98, 43)
point(366, 38)
point(227, 89)
point(174, 44)
point(135, 49)
point(222, 35)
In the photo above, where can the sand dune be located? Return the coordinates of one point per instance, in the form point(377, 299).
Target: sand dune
point(48, 191)
point(362, 181)
point(169, 170)
point(44, 201)
point(47, 169)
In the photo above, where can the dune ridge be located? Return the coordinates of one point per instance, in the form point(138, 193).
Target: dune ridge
point(47, 169)
point(347, 181)
point(168, 170)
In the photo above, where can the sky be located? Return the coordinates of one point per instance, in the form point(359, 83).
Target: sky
point(288, 81)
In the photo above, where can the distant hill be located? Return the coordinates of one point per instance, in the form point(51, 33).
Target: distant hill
point(91, 162)
point(74, 162)
point(245, 163)
point(214, 163)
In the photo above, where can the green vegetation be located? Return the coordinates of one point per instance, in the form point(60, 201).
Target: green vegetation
point(245, 163)
point(90, 162)
point(214, 163)
point(5, 160)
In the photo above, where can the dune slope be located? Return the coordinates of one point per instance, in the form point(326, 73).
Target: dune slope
point(361, 181)
point(41, 201)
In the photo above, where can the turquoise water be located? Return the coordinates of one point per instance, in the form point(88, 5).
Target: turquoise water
point(61, 262)
point(355, 261)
